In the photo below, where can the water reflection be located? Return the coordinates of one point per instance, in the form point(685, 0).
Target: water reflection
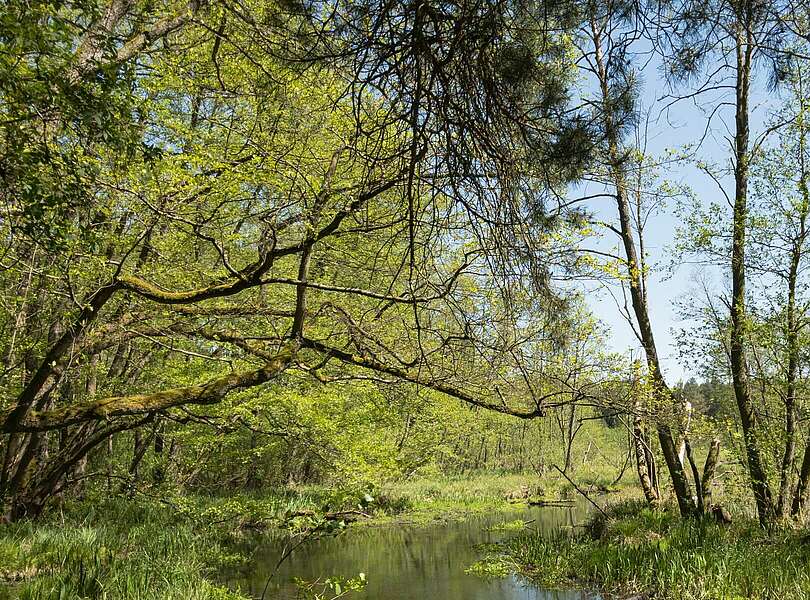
point(408, 562)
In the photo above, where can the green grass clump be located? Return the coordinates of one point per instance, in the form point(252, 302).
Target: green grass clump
point(121, 549)
point(637, 550)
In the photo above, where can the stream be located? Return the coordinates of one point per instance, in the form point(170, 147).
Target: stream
point(408, 562)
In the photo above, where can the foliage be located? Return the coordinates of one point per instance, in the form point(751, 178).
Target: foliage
point(257, 231)
point(331, 587)
point(287, 265)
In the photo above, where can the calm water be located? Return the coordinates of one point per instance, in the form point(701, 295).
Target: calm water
point(403, 562)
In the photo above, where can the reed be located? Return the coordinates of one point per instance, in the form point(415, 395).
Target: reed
point(638, 551)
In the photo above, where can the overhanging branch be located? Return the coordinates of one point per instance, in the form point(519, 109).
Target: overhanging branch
point(210, 392)
point(413, 376)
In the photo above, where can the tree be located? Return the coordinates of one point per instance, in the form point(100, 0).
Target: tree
point(780, 212)
point(607, 38)
point(327, 190)
point(727, 40)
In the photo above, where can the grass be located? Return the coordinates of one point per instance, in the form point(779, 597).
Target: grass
point(119, 549)
point(637, 551)
point(139, 549)
point(454, 497)
point(128, 549)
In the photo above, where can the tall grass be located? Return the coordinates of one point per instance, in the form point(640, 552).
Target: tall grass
point(488, 489)
point(131, 549)
point(640, 551)
point(118, 550)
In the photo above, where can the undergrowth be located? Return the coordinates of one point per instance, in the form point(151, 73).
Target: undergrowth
point(119, 549)
point(656, 554)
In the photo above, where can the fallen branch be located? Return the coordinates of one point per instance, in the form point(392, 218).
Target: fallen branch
point(582, 492)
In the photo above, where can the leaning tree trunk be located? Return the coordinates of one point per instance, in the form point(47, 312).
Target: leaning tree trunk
point(635, 276)
point(645, 459)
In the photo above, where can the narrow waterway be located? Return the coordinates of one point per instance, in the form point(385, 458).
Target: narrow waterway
point(408, 562)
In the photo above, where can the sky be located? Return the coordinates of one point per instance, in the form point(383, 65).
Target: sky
point(670, 282)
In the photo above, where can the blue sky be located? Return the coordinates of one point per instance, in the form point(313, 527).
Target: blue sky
point(683, 123)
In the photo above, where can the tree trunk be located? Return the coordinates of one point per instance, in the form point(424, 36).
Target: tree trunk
point(802, 491)
point(739, 366)
point(642, 452)
point(709, 470)
point(792, 335)
point(799, 497)
point(636, 275)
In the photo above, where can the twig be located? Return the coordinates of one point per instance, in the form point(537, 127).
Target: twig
point(577, 488)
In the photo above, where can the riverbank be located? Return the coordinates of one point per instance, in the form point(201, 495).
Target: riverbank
point(171, 547)
point(641, 553)
point(449, 498)
point(116, 549)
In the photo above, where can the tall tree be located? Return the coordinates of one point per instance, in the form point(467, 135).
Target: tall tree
point(318, 189)
point(727, 40)
point(608, 35)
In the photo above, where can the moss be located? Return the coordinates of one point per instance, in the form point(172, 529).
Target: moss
point(138, 404)
point(149, 290)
